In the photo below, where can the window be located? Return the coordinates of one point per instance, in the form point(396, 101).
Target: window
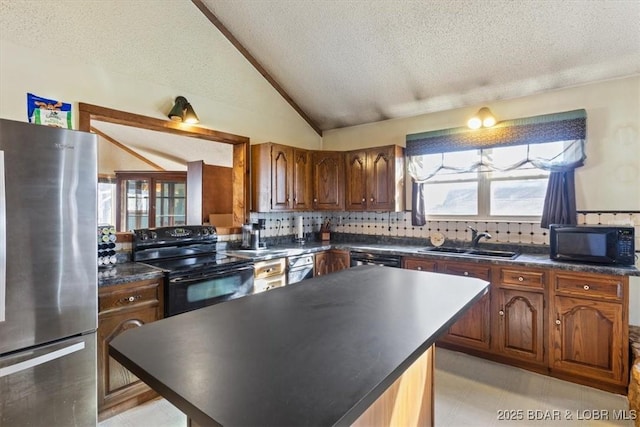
point(520, 168)
point(106, 201)
point(484, 192)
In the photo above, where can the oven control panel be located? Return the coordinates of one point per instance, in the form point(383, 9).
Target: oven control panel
point(177, 234)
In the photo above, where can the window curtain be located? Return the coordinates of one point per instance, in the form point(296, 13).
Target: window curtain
point(552, 142)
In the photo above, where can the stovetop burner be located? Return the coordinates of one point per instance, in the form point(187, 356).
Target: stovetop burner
point(198, 263)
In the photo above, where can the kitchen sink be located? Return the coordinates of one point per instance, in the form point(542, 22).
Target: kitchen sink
point(484, 253)
point(445, 249)
point(492, 253)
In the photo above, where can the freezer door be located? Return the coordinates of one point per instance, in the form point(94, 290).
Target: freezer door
point(49, 257)
point(52, 385)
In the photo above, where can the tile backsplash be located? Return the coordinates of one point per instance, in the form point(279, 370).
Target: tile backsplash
point(398, 224)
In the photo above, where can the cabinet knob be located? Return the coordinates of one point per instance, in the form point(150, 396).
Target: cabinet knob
point(371, 199)
point(132, 298)
point(586, 287)
point(520, 279)
point(419, 268)
point(364, 200)
point(501, 312)
point(466, 273)
point(315, 200)
point(558, 321)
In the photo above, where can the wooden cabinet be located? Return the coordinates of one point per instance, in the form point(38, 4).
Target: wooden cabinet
point(375, 179)
point(518, 314)
point(281, 178)
point(209, 191)
point(269, 274)
point(590, 328)
point(420, 264)
point(571, 325)
point(331, 261)
point(123, 307)
point(328, 180)
point(473, 328)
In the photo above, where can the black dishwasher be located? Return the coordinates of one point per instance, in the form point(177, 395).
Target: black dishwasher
point(364, 258)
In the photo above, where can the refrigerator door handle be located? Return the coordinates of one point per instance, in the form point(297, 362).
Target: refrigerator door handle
point(40, 360)
point(3, 241)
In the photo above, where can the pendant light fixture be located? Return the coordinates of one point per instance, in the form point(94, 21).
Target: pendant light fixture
point(483, 118)
point(182, 111)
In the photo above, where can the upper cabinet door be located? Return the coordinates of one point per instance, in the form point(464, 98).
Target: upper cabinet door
point(375, 179)
point(302, 198)
point(356, 182)
point(328, 180)
point(381, 178)
point(281, 177)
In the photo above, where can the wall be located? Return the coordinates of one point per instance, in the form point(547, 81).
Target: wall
point(608, 181)
point(137, 57)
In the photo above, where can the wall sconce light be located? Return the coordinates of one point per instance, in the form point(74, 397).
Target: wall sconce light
point(483, 118)
point(182, 111)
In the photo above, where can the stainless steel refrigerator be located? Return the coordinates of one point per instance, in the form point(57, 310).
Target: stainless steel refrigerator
point(48, 276)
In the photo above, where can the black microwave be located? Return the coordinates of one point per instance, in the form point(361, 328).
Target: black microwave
point(600, 244)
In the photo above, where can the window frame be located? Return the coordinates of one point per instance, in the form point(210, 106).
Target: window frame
point(484, 179)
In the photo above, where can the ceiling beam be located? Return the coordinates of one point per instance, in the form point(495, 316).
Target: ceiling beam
point(127, 149)
point(220, 26)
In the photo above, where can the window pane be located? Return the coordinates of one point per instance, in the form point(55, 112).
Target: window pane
point(523, 197)
point(137, 204)
point(453, 198)
point(106, 203)
point(459, 160)
point(170, 203)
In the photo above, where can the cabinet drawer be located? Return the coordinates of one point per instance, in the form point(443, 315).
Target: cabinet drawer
point(608, 287)
point(465, 269)
point(272, 267)
point(532, 279)
point(129, 295)
point(419, 264)
point(264, 284)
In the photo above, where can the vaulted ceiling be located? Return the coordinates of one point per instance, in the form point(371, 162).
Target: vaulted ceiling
point(349, 62)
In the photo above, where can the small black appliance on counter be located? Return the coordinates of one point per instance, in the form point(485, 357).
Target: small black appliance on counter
point(602, 244)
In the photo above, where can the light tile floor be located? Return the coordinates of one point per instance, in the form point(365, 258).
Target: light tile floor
point(469, 392)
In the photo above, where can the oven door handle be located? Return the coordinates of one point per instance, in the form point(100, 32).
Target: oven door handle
point(229, 272)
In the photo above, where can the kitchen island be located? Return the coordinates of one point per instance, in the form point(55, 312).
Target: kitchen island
point(353, 347)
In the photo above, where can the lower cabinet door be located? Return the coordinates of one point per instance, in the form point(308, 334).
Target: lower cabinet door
point(588, 339)
point(117, 386)
point(472, 329)
point(519, 316)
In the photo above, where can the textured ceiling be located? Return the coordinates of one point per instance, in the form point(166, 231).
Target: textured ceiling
point(352, 62)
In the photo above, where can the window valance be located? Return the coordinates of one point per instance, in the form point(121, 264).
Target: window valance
point(570, 125)
point(552, 142)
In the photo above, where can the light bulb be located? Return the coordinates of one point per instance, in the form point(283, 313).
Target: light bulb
point(474, 123)
point(489, 121)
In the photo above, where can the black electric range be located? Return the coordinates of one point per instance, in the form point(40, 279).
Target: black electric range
point(195, 274)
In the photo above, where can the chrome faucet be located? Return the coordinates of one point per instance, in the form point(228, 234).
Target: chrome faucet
point(475, 236)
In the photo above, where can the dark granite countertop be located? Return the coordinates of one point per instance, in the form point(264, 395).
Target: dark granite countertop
point(529, 256)
point(538, 260)
point(316, 353)
point(127, 272)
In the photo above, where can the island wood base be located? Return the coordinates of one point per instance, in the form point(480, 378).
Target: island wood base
point(407, 402)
